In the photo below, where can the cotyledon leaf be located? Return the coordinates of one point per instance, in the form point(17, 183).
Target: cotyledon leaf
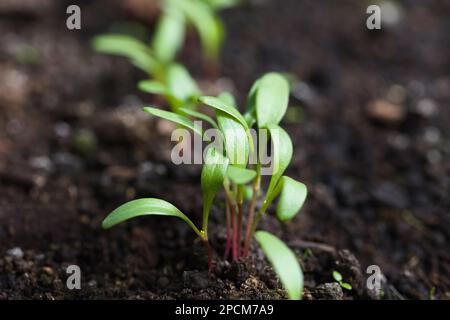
point(169, 35)
point(271, 99)
point(126, 46)
point(219, 104)
point(284, 263)
point(292, 197)
point(143, 207)
point(177, 118)
point(236, 142)
point(240, 175)
point(281, 154)
point(199, 115)
point(213, 174)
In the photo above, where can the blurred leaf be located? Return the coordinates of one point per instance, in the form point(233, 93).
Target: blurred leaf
point(177, 118)
point(142, 207)
point(126, 46)
point(213, 175)
point(272, 98)
point(222, 4)
point(208, 25)
point(169, 35)
point(180, 83)
point(228, 99)
point(240, 175)
point(199, 115)
point(293, 195)
point(284, 263)
point(152, 86)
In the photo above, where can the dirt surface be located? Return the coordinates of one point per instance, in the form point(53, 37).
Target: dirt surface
point(370, 125)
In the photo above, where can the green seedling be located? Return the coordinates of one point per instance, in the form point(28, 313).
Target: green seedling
point(338, 278)
point(241, 180)
point(168, 39)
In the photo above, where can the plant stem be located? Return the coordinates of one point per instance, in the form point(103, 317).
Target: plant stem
point(234, 241)
point(239, 228)
point(210, 253)
point(251, 211)
point(228, 243)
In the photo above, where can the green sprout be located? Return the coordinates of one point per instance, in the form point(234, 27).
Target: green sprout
point(155, 57)
point(338, 277)
point(241, 180)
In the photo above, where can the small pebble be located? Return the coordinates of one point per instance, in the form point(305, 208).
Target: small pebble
point(386, 112)
point(15, 252)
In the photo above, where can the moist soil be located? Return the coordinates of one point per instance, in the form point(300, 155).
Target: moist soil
point(369, 120)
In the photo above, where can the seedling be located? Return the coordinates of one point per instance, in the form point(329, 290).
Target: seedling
point(338, 277)
point(232, 171)
point(168, 39)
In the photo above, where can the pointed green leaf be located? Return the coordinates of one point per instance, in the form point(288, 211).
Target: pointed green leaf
point(284, 263)
point(126, 46)
point(153, 86)
point(281, 154)
point(213, 175)
point(292, 198)
point(169, 35)
point(180, 83)
point(208, 25)
point(199, 115)
point(272, 98)
point(142, 207)
point(228, 99)
point(236, 142)
point(218, 104)
point(177, 118)
point(240, 175)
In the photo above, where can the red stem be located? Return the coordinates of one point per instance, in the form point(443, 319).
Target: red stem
point(209, 249)
point(235, 244)
point(228, 243)
point(239, 228)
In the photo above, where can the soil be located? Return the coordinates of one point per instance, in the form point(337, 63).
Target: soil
point(369, 122)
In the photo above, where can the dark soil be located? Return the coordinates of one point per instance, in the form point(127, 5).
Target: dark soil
point(370, 125)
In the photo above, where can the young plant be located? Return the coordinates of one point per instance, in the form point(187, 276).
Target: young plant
point(155, 58)
point(228, 167)
point(339, 279)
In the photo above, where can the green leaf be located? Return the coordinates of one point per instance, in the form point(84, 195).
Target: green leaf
point(281, 154)
point(293, 195)
point(199, 115)
point(177, 118)
point(284, 263)
point(208, 25)
point(143, 207)
point(180, 83)
point(250, 114)
point(346, 285)
point(126, 46)
point(169, 35)
point(219, 104)
point(228, 99)
point(222, 4)
point(153, 86)
point(337, 276)
point(236, 142)
point(213, 175)
point(240, 175)
point(272, 98)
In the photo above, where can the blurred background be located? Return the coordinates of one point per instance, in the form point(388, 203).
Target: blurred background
point(369, 118)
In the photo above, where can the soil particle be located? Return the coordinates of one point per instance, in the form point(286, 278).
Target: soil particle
point(386, 112)
point(326, 291)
